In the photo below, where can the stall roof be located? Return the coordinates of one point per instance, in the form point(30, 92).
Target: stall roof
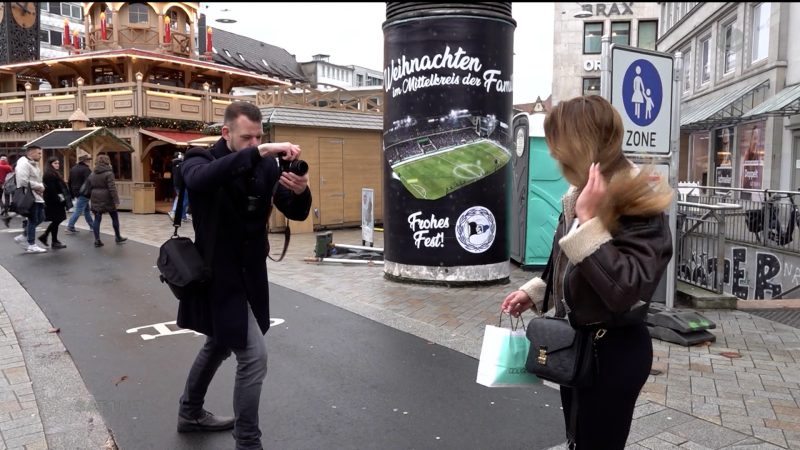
point(728, 108)
point(322, 118)
point(69, 138)
point(177, 138)
point(784, 103)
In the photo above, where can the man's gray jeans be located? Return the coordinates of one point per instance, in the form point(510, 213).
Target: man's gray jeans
point(251, 368)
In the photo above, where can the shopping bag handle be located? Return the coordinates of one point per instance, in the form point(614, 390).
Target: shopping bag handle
point(515, 325)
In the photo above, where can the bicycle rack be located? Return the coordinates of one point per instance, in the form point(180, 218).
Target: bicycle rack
point(685, 328)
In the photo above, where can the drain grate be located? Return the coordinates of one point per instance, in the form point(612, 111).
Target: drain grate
point(785, 316)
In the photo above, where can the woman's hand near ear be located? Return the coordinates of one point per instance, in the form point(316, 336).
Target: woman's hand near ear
point(591, 195)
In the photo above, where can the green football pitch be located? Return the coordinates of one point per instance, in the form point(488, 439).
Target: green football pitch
point(436, 175)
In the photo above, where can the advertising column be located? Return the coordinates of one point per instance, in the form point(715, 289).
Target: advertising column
point(447, 141)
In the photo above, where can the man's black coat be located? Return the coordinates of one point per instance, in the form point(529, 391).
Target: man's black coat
point(239, 255)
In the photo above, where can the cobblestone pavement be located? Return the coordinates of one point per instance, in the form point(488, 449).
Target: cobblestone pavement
point(742, 391)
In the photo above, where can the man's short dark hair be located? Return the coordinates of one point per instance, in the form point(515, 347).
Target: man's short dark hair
point(236, 109)
point(32, 147)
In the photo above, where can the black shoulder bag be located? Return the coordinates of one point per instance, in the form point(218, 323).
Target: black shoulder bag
point(182, 268)
point(559, 353)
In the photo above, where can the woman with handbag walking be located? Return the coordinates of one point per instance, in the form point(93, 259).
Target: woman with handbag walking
point(104, 198)
point(56, 199)
point(610, 250)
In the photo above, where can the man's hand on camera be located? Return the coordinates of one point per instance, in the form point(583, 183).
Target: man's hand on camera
point(286, 150)
point(293, 182)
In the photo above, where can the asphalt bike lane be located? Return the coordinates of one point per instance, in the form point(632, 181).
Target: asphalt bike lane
point(335, 379)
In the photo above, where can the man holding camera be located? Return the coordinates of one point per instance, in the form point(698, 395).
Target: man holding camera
point(232, 187)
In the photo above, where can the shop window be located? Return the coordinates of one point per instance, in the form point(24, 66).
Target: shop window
point(592, 32)
point(723, 157)
point(698, 167)
point(121, 164)
point(796, 163)
point(760, 31)
point(729, 49)
point(138, 13)
point(751, 147)
point(621, 33)
point(648, 34)
point(591, 86)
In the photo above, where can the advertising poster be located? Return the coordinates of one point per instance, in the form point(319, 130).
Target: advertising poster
point(751, 147)
point(447, 141)
point(723, 161)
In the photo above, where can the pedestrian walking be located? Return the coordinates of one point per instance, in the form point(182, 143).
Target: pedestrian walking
point(28, 175)
point(77, 176)
point(5, 196)
point(234, 314)
point(57, 200)
point(610, 249)
point(104, 199)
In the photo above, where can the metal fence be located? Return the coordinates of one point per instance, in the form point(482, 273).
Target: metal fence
point(767, 218)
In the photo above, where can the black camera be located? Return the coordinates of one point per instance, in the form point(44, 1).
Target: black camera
point(297, 167)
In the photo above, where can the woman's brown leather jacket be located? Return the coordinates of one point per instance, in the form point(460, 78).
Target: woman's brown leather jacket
point(606, 271)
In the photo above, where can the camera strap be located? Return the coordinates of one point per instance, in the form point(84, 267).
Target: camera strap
point(287, 233)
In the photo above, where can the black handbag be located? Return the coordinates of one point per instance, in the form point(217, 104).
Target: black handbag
point(23, 200)
point(180, 264)
point(560, 353)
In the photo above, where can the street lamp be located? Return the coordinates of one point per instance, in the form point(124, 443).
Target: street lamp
point(584, 12)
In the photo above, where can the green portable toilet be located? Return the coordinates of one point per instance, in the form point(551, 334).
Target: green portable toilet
point(536, 198)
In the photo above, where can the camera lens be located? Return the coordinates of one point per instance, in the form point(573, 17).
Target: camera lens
point(299, 167)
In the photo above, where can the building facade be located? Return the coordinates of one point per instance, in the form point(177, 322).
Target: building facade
point(578, 29)
point(322, 74)
point(740, 93)
point(58, 17)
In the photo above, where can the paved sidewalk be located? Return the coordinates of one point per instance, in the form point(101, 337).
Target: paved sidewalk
point(700, 399)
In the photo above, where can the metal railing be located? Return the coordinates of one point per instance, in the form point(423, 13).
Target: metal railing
point(767, 218)
point(701, 243)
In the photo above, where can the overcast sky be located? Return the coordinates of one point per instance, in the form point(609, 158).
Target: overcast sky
point(351, 33)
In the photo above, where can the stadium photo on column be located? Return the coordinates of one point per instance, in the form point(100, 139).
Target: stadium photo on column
point(438, 155)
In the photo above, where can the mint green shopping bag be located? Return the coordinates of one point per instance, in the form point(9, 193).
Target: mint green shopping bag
point(503, 355)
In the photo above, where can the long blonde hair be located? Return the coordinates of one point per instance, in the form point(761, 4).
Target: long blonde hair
point(585, 130)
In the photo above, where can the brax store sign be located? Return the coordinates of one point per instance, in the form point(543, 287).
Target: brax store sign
point(608, 9)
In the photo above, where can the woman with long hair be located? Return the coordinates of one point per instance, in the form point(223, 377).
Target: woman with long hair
point(610, 249)
point(56, 197)
point(104, 198)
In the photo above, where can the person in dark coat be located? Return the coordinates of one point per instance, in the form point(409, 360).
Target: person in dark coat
point(104, 198)
point(77, 176)
point(56, 199)
point(234, 313)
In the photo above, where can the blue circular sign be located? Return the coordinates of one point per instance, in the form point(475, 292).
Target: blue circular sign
point(642, 92)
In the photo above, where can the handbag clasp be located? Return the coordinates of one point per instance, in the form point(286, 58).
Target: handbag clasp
point(542, 359)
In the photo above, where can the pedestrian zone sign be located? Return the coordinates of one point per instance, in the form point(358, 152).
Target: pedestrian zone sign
point(641, 90)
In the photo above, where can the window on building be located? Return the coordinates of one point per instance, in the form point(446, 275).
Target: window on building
point(698, 167)
point(591, 86)
point(729, 52)
point(648, 34)
point(166, 77)
point(687, 70)
point(71, 10)
point(705, 59)
point(53, 7)
point(106, 75)
point(760, 29)
point(796, 172)
point(592, 32)
point(53, 37)
point(138, 13)
point(121, 164)
point(621, 33)
point(359, 80)
point(173, 19)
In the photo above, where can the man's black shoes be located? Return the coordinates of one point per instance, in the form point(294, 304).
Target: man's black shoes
point(206, 422)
